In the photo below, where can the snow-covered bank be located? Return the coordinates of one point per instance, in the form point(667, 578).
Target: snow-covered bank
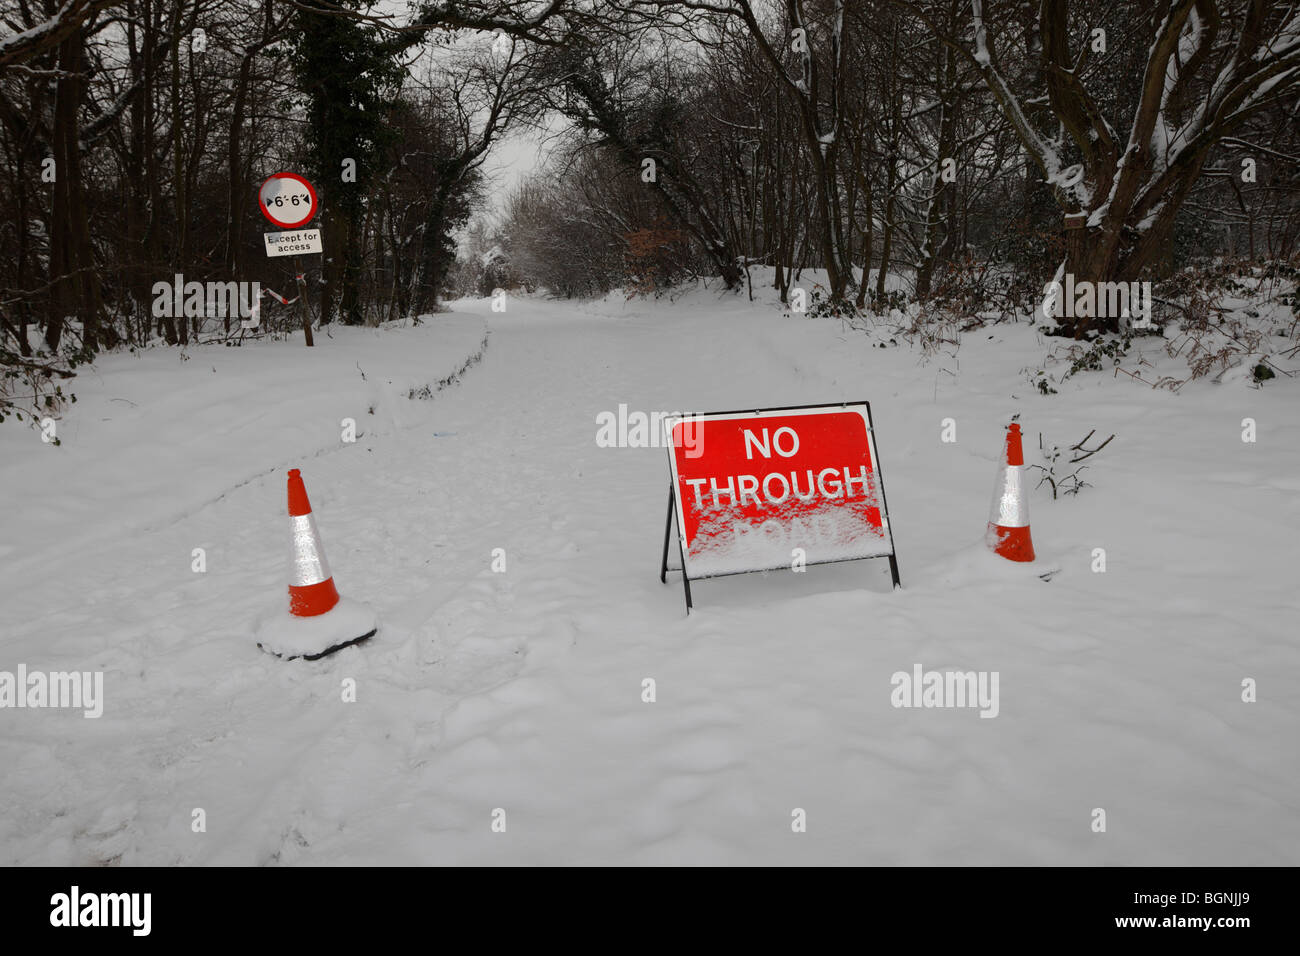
point(522, 691)
point(158, 433)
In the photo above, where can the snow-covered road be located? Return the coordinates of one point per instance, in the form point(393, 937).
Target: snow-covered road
point(522, 691)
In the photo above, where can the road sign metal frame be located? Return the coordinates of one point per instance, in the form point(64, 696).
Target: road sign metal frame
point(675, 512)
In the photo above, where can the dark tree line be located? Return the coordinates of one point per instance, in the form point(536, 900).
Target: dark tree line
point(934, 142)
point(941, 142)
point(135, 136)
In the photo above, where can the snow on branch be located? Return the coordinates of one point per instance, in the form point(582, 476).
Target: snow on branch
point(1040, 148)
point(19, 47)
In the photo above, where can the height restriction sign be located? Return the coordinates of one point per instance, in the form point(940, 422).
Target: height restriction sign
point(775, 488)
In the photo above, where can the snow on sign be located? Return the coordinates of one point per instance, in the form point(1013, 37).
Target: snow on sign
point(287, 200)
point(775, 488)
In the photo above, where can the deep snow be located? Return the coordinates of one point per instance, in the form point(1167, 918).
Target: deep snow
point(522, 691)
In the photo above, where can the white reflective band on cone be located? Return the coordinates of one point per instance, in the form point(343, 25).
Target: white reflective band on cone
point(1010, 509)
point(309, 564)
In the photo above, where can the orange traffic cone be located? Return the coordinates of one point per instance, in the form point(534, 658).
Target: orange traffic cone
point(1008, 531)
point(319, 621)
point(311, 588)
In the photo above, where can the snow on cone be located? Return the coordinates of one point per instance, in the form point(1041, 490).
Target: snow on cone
point(319, 622)
point(1008, 531)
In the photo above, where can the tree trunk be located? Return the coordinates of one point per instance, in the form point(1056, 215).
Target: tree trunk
point(75, 283)
point(887, 239)
point(861, 300)
point(350, 304)
point(431, 269)
point(179, 247)
point(237, 187)
point(153, 259)
point(333, 246)
point(938, 208)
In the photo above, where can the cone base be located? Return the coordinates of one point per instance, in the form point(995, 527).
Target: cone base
point(311, 638)
point(1014, 544)
point(325, 653)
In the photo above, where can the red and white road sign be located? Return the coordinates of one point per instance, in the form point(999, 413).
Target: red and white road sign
point(287, 200)
point(777, 488)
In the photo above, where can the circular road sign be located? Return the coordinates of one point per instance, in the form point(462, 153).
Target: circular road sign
point(287, 200)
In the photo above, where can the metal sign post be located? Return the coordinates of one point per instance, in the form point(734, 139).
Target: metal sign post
point(289, 201)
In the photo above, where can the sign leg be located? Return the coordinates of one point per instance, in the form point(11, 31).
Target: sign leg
point(668, 531)
point(686, 578)
point(893, 571)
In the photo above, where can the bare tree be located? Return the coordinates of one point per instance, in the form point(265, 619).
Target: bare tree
point(1210, 66)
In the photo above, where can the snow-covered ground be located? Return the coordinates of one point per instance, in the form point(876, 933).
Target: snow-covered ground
point(522, 691)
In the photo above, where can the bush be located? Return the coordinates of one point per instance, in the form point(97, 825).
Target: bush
point(29, 386)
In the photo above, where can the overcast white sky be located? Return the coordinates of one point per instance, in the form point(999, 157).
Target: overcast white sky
point(511, 159)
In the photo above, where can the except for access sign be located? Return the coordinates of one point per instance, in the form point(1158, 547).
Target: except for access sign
point(751, 487)
point(292, 243)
